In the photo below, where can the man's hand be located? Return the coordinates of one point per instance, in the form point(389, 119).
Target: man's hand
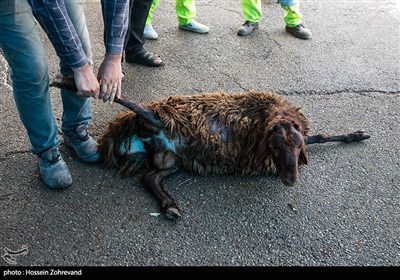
point(86, 82)
point(110, 77)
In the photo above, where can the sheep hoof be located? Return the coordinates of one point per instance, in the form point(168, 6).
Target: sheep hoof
point(172, 214)
point(359, 135)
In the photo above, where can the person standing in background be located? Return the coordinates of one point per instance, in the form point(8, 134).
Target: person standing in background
point(293, 18)
point(185, 12)
point(135, 52)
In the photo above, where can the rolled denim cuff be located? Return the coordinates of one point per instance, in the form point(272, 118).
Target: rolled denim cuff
point(289, 2)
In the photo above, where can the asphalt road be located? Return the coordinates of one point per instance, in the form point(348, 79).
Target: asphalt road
point(347, 201)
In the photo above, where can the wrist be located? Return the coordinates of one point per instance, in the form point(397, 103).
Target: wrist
point(83, 68)
point(113, 57)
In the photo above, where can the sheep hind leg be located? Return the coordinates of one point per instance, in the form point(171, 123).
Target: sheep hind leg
point(153, 182)
point(356, 136)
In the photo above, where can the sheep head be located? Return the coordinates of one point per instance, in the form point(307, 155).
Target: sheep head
point(285, 145)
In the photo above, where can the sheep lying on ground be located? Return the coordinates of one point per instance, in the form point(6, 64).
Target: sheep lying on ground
point(215, 133)
point(220, 133)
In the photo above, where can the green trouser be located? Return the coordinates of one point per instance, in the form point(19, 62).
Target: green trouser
point(252, 11)
point(185, 11)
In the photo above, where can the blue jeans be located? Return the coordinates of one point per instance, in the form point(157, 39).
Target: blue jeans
point(23, 49)
point(77, 110)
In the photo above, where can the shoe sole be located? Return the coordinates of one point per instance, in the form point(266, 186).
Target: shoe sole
point(57, 185)
point(294, 34)
point(150, 37)
point(303, 38)
point(193, 30)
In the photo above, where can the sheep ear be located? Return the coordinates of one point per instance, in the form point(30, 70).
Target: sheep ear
point(263, 146)
point(303, 156)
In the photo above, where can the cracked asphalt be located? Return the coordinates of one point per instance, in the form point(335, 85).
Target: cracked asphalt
point(343, 212)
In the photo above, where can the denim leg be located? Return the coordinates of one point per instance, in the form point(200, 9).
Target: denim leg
point(289, 2)
point(77, 109)
point(27, 58)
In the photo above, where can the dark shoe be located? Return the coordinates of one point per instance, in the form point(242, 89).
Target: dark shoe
point(247, 28)
point(299, 31)
point(83, 144)
point(53, 169)
point(144, 58)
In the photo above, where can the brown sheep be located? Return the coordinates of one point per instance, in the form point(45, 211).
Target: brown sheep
point(248, 133)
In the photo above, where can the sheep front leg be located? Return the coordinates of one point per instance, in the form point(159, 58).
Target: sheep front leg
point(152, 181)
point(356, 136)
